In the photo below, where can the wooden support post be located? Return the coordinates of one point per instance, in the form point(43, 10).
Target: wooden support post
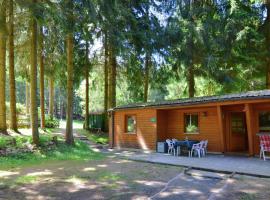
point(221, 129)
point(111, 130)
point(248, 111)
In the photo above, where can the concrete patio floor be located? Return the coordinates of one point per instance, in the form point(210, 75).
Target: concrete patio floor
point(220, 163)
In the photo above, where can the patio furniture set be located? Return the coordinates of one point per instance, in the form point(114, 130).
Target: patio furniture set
point(195, 147)
point(199, 148)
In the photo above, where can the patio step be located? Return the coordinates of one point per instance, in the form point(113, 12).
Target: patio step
point(207, 174)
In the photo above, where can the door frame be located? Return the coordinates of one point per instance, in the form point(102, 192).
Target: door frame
point(228, 130)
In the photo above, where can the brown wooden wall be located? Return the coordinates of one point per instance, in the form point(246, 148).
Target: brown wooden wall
point(170, 124)
point(145, 137)
point(255, 121)
point(162, 125)
point(208, 126)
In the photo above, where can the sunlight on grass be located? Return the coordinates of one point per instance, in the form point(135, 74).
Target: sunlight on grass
point(75, 180)
point(80, 151)
point(99, 138)
point(26, 179)
point(87, 169)
point(4, 174)
point(77, 124)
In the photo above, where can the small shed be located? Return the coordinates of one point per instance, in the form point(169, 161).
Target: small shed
point(96, 120)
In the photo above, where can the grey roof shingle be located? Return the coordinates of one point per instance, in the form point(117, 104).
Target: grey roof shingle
point(261, 94)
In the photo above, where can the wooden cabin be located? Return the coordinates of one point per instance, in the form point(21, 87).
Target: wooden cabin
point(229, 122)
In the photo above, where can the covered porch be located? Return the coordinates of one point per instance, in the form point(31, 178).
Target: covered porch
point(229, 127)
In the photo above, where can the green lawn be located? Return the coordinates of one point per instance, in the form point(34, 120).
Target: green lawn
point(100, 138)
point(61, 151)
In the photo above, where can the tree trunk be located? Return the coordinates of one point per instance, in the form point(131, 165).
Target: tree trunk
point(191, 81)
point(27, 98)
point(106, 122)
point(268, 74)
point(87, 89)
point(33, 81)
point(12, 87)
point(51, 97)
point(41, 80)
point(112, 78)
point(69, 130)
point(267, 37)
point(3, 37)
point(146, 76)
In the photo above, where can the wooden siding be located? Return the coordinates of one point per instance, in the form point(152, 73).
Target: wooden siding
point(257, 108)
point(208, 127)
point(170, 124)
point(162, 125)
point(145, 137)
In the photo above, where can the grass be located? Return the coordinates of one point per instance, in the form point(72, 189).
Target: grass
point(61, 151)
point(26, 179)
point(99, 138)
point(248, 197)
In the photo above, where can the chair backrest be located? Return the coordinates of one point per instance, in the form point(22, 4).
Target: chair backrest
point(201, 144)
point(169, 142)
point(174, 140)
point(204, 143)
point(197, 145)
point(265, 142)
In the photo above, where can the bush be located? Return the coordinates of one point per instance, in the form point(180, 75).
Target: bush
point(52, 123)
point(20, 109)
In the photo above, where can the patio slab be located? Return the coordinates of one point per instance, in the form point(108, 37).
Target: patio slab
point(219, 163)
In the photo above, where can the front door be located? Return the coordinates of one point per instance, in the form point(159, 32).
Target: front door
point(237, 138)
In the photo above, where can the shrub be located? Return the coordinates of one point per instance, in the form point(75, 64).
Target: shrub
point(20, 109)
point(52, 123)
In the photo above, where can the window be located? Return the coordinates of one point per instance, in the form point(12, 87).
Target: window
point(264, 121)
point(238, 125)
point(191, 123)
point(130, 124)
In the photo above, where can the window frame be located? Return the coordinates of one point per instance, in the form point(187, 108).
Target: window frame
point(235, 120)
point(259, 127)
point(134, 132)
point(184, 120)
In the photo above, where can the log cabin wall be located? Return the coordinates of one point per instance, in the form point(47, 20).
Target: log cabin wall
point(145, 136)
point(257, 108)
point(162, 125)
point(170, 124)
point(208, 126)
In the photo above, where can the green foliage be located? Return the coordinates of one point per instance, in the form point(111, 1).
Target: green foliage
point(51, 123)
point(20, 108)
point(80, 151)
point(224, 43)
point(99, 138)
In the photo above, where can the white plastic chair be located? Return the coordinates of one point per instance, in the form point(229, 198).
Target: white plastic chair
point(171, 148)
point(198, 148)
point(177, 148)
point(265, 145)
point(204, 147)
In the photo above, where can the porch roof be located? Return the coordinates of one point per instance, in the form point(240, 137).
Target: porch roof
point(261, 94)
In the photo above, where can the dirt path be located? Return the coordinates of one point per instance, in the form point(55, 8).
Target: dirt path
point(114, 178)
